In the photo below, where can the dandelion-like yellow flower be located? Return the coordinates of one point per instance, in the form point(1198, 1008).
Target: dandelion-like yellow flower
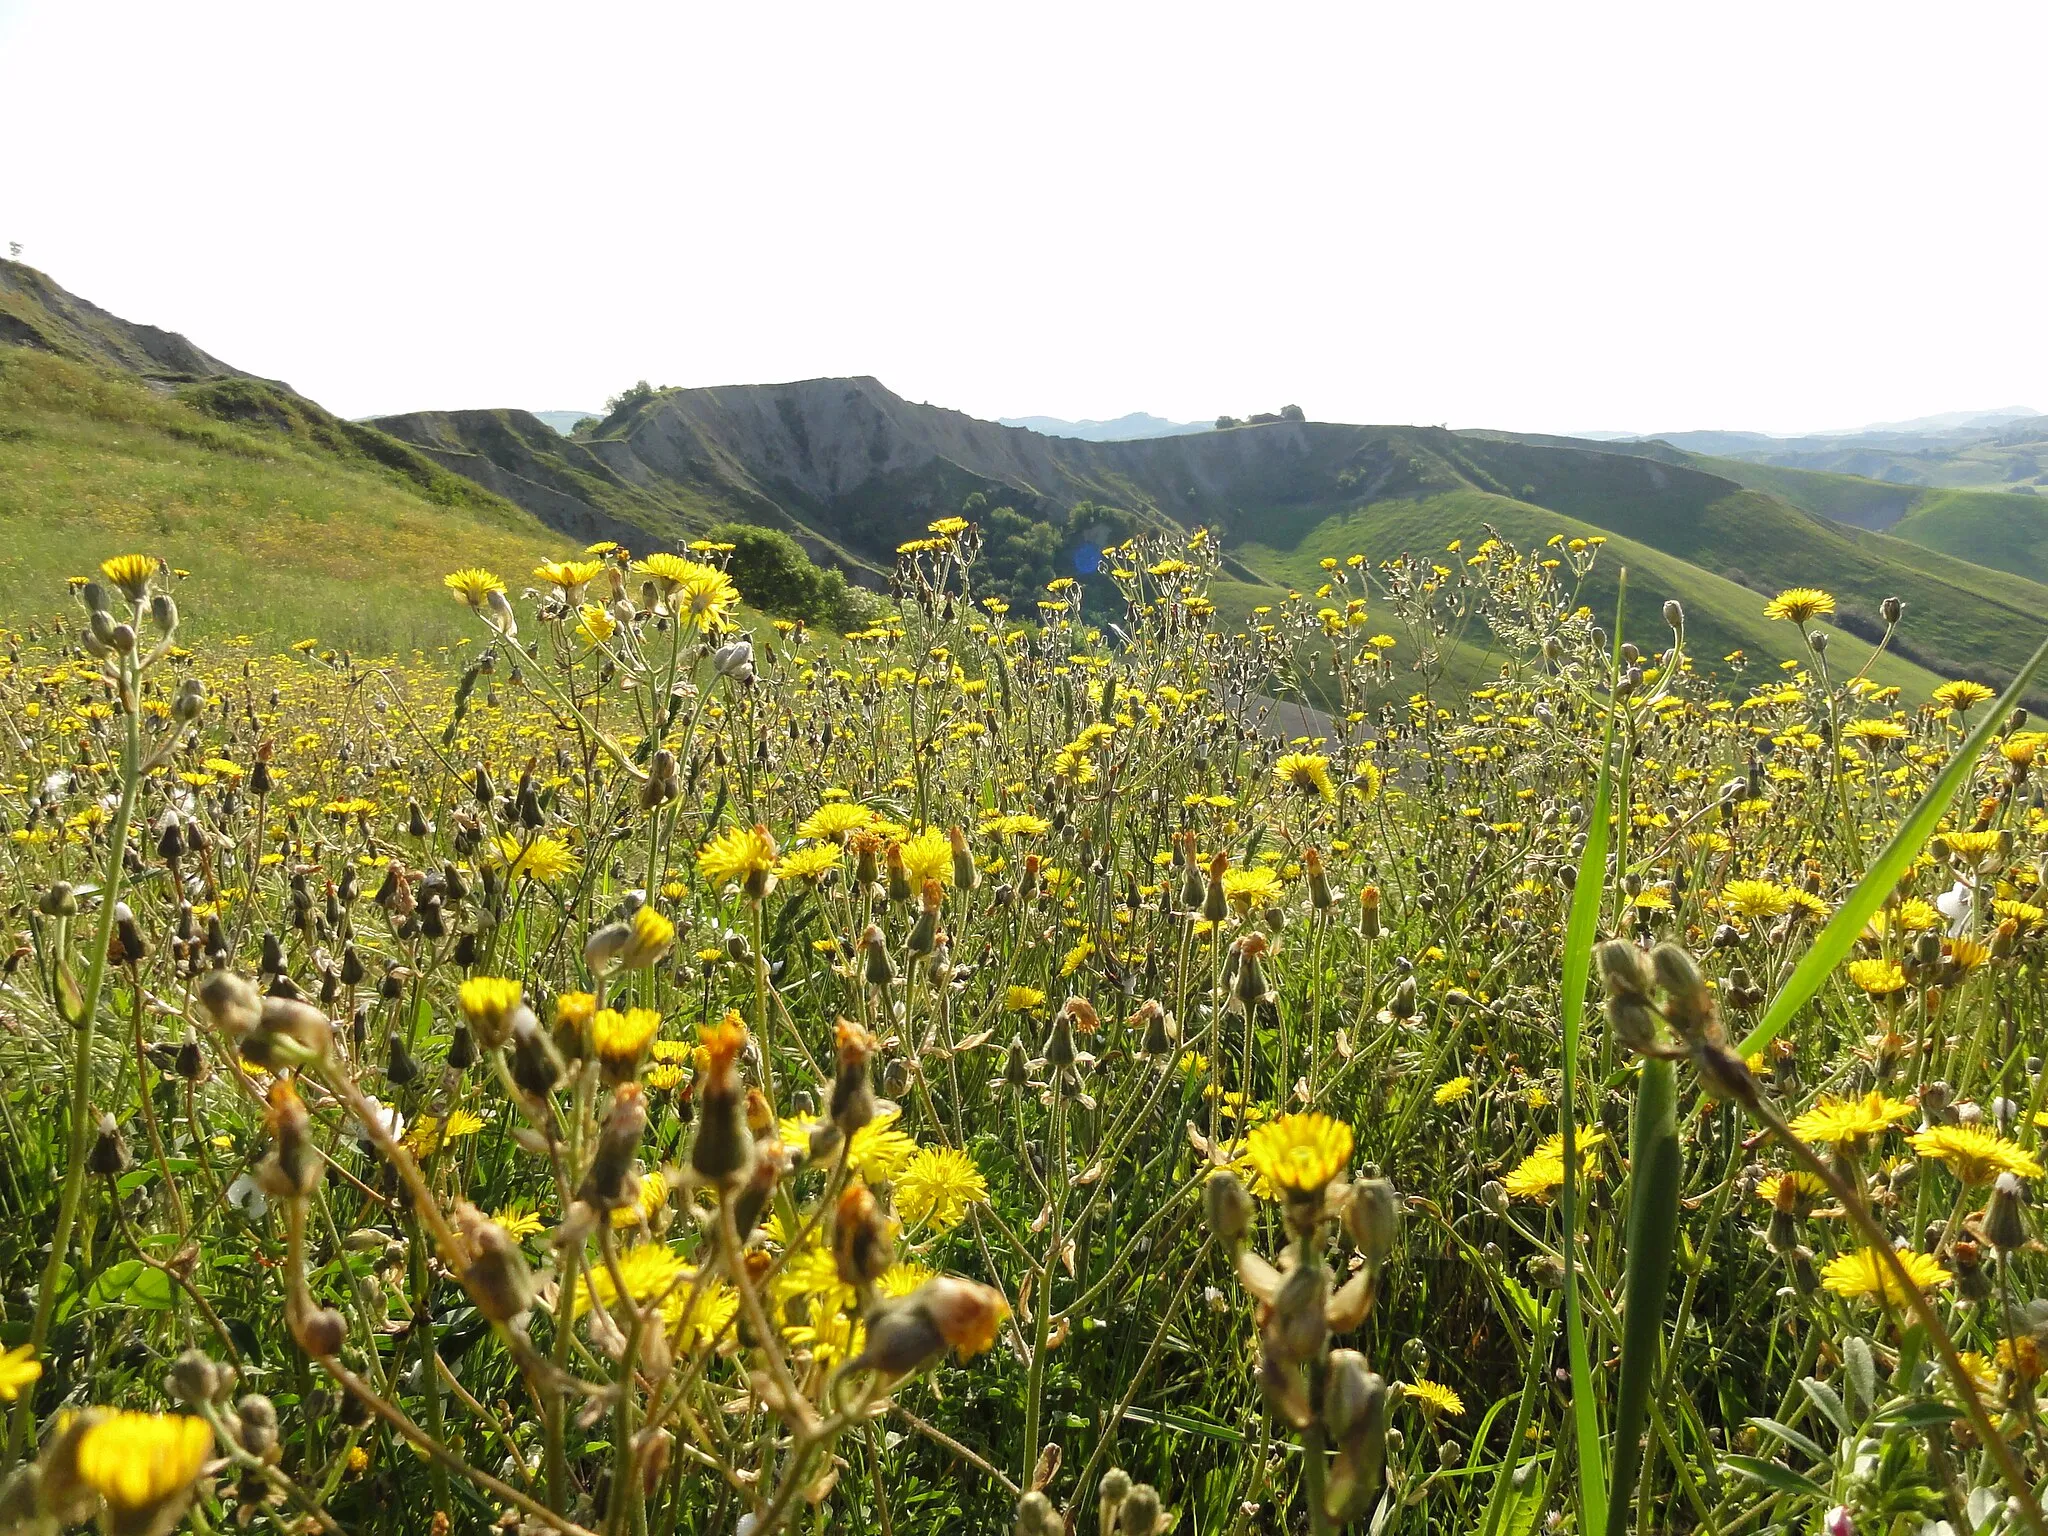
point(518, 1221)
point(1756, 898)
point(619, 1040)
point(832, 821)
point(1299, 1153)
point(18, 1368)
point(738, 854)
point(1434, 1398)
point(1801, 605)
point(1973, 1154)
point(473, 584)
point(649, 1270)
point(1961, 695)
point(487, 1004)
point(928, 856)
point(810, 863)
point(1849, 1122)
point(1022, 999)
point(572, 576)
point(878, 1151)
point(1306, 773)
point(1456, 1091)
point(595, 624)
point(142, 1463)
point(699, 595)
point(703, 1320)
point(1880, 978)
point(1863, 1274)
point(1258, 886)
point(131, 573)
point(937, 1186)
point(543, 858)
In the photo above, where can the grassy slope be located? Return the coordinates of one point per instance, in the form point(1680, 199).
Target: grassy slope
point(1987, 527)
point(284, 538)
point(1722, 617)
point(1961, 618)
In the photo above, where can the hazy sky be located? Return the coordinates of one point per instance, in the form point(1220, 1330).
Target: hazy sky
point(1547, 217)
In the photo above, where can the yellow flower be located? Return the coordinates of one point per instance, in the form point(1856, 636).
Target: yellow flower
point(1543, 1169)
point(742, 854)
point(1864, 1273)
point(545, 859)
point(473, 584)
point(1875, 732)
point(1799, 604)
point(937, 1186)
point(1880, 978)
point(653, 1196)
point(1299, 1153)
point(833, 820)
point(699, 595)
point(1433, 1398)
point(1306, 772)
point(878, 1150)
point(621, 1039)
point(428, 1135)
point(1258, 886)
point(595, 624)
point(572, 576)
point(518, 1221)
point(1020, 999)
point(704, 1319)
point(1455, 1091)
point(131, 574)
point(1974, 1155)
point(928, 856)
point(1756, 898)
point(488, 1003)
point(18, 1368)
point(1809, 1185)
point(648, 1270)
point(1848, 1122)
point(1961, 695)
point(142, 1462)
point(810, 863)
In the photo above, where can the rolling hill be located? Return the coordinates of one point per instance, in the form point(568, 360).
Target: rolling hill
point(852, 469)
point(293, 523)
point(130, 432)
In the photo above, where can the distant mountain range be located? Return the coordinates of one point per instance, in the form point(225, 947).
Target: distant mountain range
point(1123, 429)
point(2005, 449)
point(851, 469)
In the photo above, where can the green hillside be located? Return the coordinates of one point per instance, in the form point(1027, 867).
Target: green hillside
point(1963, 618)
point(1721, 616)
point(1989, 528)
point(293, 525)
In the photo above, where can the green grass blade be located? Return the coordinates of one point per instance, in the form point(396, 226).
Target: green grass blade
point(1588, 895)
point(1841, 932)
point(1653, 1184)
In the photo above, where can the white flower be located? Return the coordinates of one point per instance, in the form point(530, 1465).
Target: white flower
point(1955, 906)
point(247, 1197)
point(392, 1121)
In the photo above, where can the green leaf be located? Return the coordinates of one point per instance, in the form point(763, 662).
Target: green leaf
point(1773, 1475)
point(1654, 1173)
point(1825, 1398)
point(1885, 872)
point(1580, 931)
point(1919, 1413)
point(1791, 1437)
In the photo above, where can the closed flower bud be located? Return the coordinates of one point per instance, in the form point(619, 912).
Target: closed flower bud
point(1227, 1205)
point(1140, 1514)
point(880, 972)
point(965, 875)
point(609, 1181)
point(320, 1332)
point(293, 1168)
point(853, 1098)
point(1674, 615)
point(862, 1246)
point(230, 1003)
point(1215, 906)
point(723, 1151)
point(256, 1425)
point(536, 1064)
point(2005, 1222)
point(1372, 1219)
point(109, 1154)
point(1319, 893)
point(195, 1378)
point(496, 1277)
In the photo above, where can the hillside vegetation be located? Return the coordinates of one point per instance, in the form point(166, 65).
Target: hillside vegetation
point(297, 527)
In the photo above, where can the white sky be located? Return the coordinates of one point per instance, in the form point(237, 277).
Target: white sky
point(1548, 217)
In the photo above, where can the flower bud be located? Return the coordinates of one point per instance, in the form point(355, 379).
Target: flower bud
point(2005, 1222)
point(1372, 1219)
point(1227, 1205)
point(230, 1003)
point(320, 1332)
